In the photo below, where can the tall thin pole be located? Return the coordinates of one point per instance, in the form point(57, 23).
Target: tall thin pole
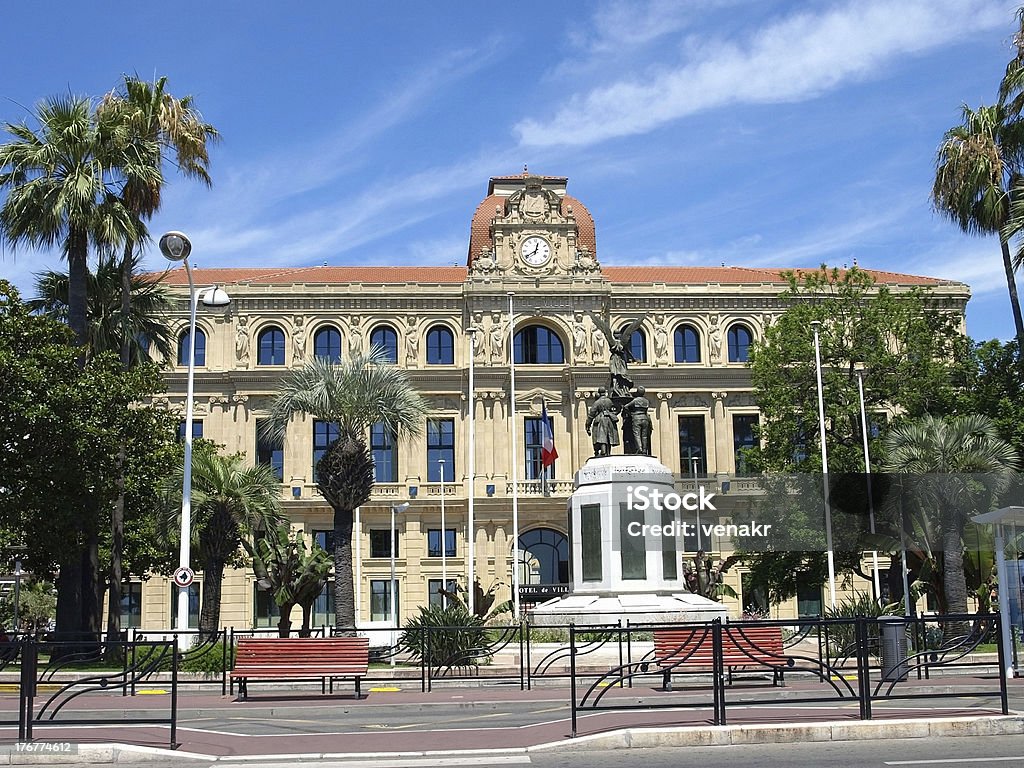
point(471, 471)
point(693, 470)
point(185, 550)
point(444, 545)
point(867, 474)
point(391, 587)
point(515, 453)
point(359, 564)
point(824, 468)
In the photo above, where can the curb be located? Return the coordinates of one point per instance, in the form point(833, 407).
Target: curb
point(627, 738)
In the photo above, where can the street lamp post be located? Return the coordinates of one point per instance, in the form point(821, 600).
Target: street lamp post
point(867, 475)
point(471, 471)
point(444, 545)
point(175, 246)
point(693, 472)
point(391, 593)
point(816, 324)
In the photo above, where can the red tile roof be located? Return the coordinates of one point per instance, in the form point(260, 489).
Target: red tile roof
point(742, 275)
point(454, 275)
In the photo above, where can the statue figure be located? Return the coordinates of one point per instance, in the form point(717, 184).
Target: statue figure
point(618, 354)
point(636, 411)
point(479, 343)
point(242, 341)
point(298, 340)
point(715, 340)
point(660, 339)
point(598, 344)
point(601, 423)
point(496, 339)
point(412, 342)
point(579, 338)
point(355, 337)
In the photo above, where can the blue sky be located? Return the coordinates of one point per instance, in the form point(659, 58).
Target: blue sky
point(744, 132)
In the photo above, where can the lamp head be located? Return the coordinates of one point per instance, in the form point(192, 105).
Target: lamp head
point(398, 508)
point(215, 297)
point(175, 246)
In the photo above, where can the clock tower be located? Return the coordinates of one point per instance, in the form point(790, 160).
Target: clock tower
point(528, 226)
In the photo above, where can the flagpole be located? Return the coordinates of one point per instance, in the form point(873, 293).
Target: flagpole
point(515, 444)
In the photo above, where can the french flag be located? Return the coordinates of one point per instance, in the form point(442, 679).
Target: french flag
point(548, 454)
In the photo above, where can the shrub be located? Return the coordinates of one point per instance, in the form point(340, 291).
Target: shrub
point(449, 636)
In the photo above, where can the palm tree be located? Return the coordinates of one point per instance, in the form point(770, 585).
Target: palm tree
point(976, 167)
point(62, 182)
point(355, 394)
point(147, 117)
point(229, 501)
point(146, 323)
point(956, 462)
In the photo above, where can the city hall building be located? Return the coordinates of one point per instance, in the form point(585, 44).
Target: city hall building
point(531, 240)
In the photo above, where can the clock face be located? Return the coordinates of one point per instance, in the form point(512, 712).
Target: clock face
point(536, 251)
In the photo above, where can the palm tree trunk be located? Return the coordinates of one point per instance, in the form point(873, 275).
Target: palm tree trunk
point(284, 624)
point(78, 273)
point(953, 579)
point(1011, 284)
point(307, 617)
point(209, 614)
point(344, 596)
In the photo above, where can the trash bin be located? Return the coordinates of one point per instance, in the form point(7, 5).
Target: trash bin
point(894, 648)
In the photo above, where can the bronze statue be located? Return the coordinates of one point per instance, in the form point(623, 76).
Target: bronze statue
point(601, 423)
point(636, 412)
point(618, 354)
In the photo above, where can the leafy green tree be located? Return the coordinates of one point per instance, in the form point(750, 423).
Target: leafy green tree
point(905, 348)
point(354, 394)
point(229, 501)
point(994, 386)
point(293, 574)
point(960, 464)
point(977, 164)
point(61, 427)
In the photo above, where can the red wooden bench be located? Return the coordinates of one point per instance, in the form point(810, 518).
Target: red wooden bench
point(676, 649)
point(278, 658)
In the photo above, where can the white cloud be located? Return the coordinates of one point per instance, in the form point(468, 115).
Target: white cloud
point(796, 58)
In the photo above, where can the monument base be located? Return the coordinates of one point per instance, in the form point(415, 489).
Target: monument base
point(585, 609)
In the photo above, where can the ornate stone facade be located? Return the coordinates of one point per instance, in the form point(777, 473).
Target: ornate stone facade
point(531, 240)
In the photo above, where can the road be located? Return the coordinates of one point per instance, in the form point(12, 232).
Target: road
point(961, 752)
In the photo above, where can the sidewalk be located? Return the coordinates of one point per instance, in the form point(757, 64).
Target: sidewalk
point(299, 723)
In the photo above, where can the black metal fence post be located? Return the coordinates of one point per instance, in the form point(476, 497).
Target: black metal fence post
point(1001, 647)
point(863, 666)
point(572, 675)
point(522, 655)
point(27, 688)
point(529, 658)
point(718, 672)
point(174, 693)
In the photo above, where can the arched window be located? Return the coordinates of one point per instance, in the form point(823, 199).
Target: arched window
point(536, 344)
point(327, 344)
point(200, 348)
point(637, 345)
point(384, 337)
point(271, 347)
point(543, 557)
point(687, 342)
point(739, 343)
point(440, 346)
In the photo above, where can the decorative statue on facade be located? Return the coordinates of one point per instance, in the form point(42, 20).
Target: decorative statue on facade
point(602, 423)
point(618, 354)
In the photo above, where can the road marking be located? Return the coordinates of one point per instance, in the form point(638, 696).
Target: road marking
point(384, 690)
point(416, 762)
point(957, 760)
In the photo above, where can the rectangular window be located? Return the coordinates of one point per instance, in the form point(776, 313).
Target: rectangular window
point(384, 448)
point(669, 560)
point(534, 435)
point(590, 533)
point(265, 612)
point(380, 599)
point(743, 425)
point(434, 591)
point(323, 607)
point(193, 606)
point(325, 538)
point(434, 542)
point(380, 543)
point(269, 452)
point(808, 599)
point(197, 430)
point(324, 433)
point(634, 549)
point(692, 447)
point(131, 605)
point(440, 447)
